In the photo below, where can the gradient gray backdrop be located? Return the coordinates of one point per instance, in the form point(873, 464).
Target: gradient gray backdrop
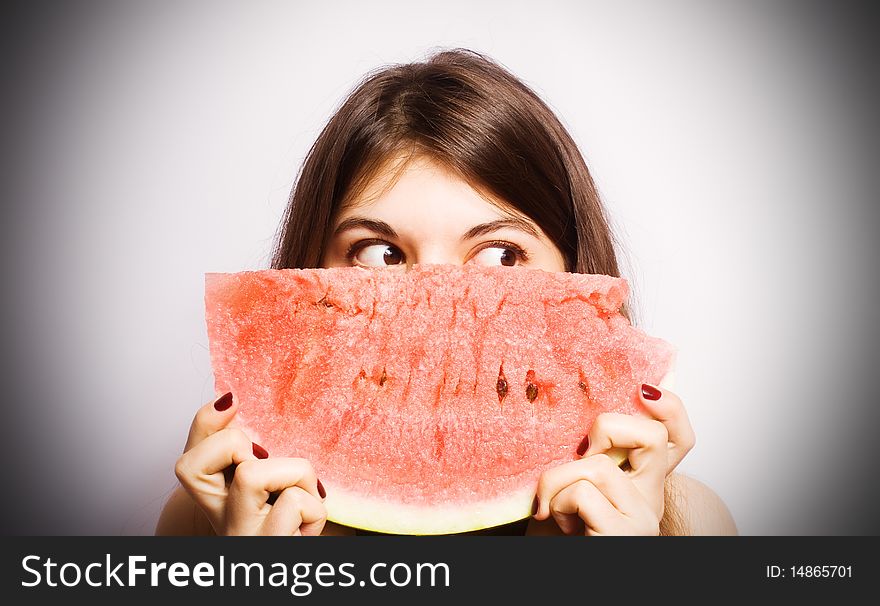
point(145, 144)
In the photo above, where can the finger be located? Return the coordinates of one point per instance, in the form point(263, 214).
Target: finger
point(255, 479)
point(582, 507)
point(600, 517)
point(667, 408)
point(211, 418)
point(598, 469)
point(646, 442)
point(229, 446)
point(200, 469)
point(295, 512)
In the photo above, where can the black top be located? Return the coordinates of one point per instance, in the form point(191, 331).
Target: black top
point(517, 528)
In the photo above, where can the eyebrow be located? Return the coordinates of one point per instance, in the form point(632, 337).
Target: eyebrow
point(512, 222)
point(379, 227)
point(383, 229)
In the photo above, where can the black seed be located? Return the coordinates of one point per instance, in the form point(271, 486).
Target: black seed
point(583, 386)
point(501, 388)
point(383, 378)
point(531, 392)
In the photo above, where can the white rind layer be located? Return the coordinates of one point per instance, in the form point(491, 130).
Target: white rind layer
point(380, 515)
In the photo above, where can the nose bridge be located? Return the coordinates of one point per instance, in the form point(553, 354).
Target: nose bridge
point(435, 252)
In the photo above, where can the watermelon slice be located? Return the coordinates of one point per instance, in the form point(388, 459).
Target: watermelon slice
point(428, 401)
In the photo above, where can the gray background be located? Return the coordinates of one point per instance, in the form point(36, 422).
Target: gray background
point(145, 144)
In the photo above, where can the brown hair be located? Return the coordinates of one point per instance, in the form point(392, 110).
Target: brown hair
point(472, 116)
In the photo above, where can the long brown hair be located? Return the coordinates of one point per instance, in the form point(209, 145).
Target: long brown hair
point(471, 115)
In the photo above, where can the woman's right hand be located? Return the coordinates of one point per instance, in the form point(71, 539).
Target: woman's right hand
point(243, 506)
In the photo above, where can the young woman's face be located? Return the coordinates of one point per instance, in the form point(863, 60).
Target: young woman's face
point(431, 216)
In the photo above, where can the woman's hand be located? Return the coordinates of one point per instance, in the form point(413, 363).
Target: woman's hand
point(593, 495)
point(244, 506)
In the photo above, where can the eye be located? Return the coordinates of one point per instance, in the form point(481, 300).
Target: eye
point(377, 255)
point(500, 253)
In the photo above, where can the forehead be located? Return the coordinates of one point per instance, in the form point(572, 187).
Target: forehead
point(418, 180)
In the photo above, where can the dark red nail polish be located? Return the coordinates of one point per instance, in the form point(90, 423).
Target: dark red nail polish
point(584, 445)
point(535, 505)
point(650, 392)
point(223, 402)
point(260, 452)
point(321, 490)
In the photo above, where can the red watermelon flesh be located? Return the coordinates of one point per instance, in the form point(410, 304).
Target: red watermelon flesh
point(428, 401)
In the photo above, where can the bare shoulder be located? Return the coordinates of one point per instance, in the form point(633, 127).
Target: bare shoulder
point(702, 511)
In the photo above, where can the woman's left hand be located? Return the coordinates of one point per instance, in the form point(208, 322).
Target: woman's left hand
point(594, 496)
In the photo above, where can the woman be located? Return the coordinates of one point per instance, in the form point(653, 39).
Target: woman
point(453, 160)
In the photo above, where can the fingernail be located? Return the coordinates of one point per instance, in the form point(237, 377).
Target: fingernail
point(321, 490)
point(584, 445)
point(535, 505)
point(260, 452)
point(650, 392)
point(223, 402)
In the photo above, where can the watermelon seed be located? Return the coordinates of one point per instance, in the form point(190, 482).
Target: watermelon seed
point(323, 301)
point(531, 392)
point(383, 378)
point(584, 384)
point(531, 387)
point(501, 386)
